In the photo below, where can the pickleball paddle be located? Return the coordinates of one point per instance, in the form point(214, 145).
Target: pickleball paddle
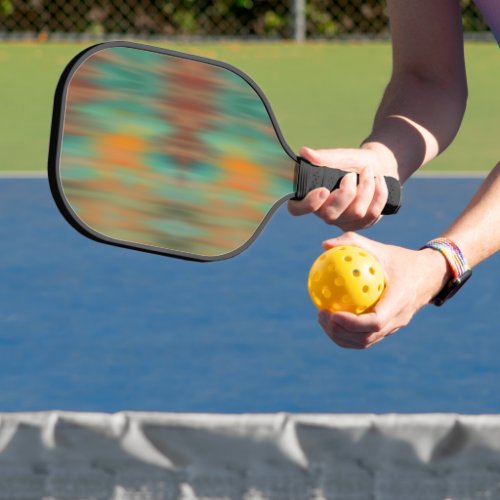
point(172, 153)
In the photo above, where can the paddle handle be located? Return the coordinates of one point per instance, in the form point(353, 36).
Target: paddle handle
point(309, 177)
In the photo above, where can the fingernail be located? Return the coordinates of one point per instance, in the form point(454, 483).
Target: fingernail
point(324, 194)
point(305, 151)
point(346, 179)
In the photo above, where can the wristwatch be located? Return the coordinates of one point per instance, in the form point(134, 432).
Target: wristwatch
point(460, 270)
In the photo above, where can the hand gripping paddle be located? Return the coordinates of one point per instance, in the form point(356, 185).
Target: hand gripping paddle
point(172, 153)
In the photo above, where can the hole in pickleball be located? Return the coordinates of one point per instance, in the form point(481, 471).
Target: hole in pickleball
point(360, 309)
point(336, 306)
point(346, 299)
point(372, 270)
point(362, 254)
point(366, 289)
point(339, 281)
point(379, 287)
point(317, 300)
point(317, 276)
point(327, 293)
point(356, 273)
point(348, 258)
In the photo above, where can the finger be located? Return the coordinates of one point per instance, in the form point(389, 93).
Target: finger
point(366, 209)
point(359, 341)
point(324, 318)
point(348, 338)
point(393, 332)
point(341, 340)
point(311, 203)
point(338, 334)
point(380, 196)
point(362, 324)
point(338, 201)
point(365, 191)
point(362, 340)
point(384, 318)
point(376, 341)
point(353, 341)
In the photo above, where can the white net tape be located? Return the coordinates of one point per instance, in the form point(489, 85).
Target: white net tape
point(160, 456)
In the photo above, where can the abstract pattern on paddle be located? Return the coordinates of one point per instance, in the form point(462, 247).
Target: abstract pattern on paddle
point(169, 152)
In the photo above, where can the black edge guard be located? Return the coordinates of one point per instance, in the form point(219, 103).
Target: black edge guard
point(309, 177)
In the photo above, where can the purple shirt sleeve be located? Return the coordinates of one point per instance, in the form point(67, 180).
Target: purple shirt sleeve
point(490, 9)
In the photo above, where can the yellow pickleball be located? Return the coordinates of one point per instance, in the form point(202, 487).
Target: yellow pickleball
point(346, 278)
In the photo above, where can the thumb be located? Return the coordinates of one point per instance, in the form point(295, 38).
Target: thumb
point(338, 158)
point(311, 155)
point(349, 238)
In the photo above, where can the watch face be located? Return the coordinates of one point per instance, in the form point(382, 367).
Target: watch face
point(451, 288)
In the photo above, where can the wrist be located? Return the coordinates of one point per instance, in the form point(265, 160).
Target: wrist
point(437, 272)
point(386, 156)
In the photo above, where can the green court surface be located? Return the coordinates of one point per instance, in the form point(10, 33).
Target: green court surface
point(323, 94)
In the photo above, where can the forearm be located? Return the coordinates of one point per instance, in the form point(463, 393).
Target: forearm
point(477, 230)
point(424, 103)
point(416, 120)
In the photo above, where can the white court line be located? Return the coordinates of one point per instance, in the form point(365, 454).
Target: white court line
point(23, 174)
point(457, 174)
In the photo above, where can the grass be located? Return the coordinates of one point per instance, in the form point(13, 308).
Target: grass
point(323, 94)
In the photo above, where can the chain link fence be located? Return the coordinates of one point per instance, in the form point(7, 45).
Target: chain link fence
point(283, 19)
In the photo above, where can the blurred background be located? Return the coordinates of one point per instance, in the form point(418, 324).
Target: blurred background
point(283, 19)
point(338, 72)
point(88, 327)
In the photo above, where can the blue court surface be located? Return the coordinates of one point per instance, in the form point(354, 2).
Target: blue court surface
point(90, 327)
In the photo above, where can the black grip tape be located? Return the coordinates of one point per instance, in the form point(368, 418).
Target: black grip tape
point(311, 177)
point(394, 197)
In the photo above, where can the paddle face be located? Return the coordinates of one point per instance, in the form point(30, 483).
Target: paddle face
point(165, 152)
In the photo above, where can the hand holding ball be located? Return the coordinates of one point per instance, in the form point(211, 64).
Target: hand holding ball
point(346, 278)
